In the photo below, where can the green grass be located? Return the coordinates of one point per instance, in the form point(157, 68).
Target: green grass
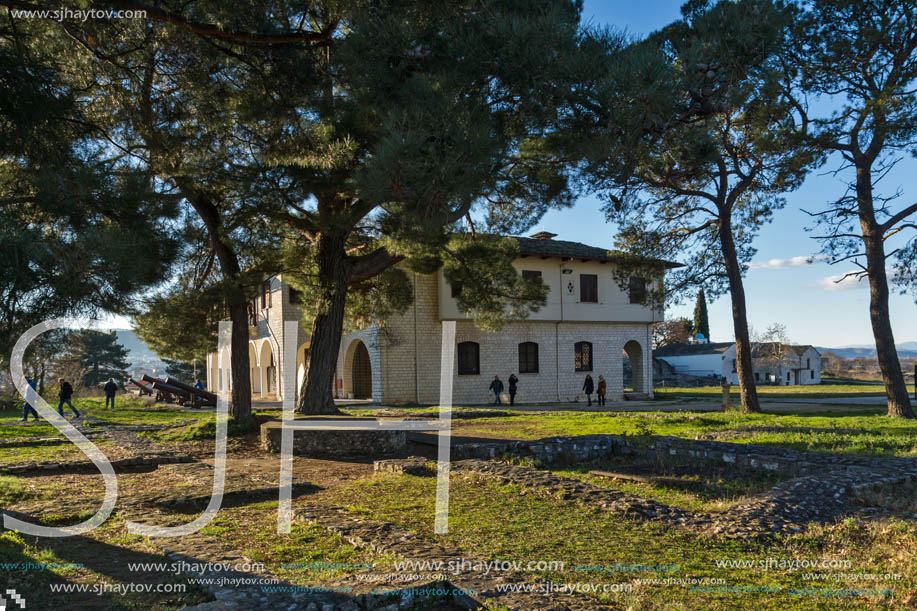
point(94, 560)
point(45, 453)
point(12, 490)
point(865, 432)
point(499, 522)
point(716, 489)
point(252, 529)
point(820, 391)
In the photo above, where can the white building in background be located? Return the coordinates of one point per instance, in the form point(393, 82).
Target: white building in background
point(772, 362)
point(777, 363)
point(695, 359)
point(589, 325)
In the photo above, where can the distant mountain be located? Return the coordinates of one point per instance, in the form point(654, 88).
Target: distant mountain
point(906, 350)
point(134, 344)
point(140, 354)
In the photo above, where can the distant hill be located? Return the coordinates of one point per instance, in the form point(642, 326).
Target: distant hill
point(906, 350)
point(140, 354)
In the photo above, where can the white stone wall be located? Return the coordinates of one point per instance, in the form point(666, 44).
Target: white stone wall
point(405, 352)
point(411, 367)
point(344, 374)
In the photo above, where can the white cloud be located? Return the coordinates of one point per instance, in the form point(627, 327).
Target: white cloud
point(840, 283)
point(792, 262)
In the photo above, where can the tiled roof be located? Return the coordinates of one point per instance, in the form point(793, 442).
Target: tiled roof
point(763, 349)
point(692, 349)
point(576, 250)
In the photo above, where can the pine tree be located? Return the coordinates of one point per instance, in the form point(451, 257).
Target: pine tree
point(701, 322)
point(859, 59)
point(99, 355)
point(716, 160)
point(80, 229)
point(350, 138)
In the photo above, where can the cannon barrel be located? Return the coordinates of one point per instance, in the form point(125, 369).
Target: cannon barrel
point(209, 396)
point(174, 390)
point(144, 389)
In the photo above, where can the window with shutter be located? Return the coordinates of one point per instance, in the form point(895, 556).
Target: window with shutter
point(468, 359)
point(588, 288)
point(528, 357)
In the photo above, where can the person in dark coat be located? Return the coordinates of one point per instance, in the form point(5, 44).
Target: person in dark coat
point(496, 387)
point(65, 396)
point(601, 391)
point(199, 385)
point(27, 406)
point(588, 388)
point(513, 383)
point(110, 389)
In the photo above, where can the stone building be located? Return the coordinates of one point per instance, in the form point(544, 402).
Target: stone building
point(589, 325)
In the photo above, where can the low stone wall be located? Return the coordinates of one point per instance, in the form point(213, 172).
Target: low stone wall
point(72, 465)
point(321, 443)
point(790, 462)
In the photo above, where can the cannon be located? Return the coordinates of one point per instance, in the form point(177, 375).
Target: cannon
point(171, 390)
point(144, 389)
point(206, 397)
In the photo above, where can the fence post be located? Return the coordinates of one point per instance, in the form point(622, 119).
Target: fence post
point(726, 387)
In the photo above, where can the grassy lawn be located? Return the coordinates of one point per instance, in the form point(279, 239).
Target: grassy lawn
point(98, 563)
point(499, 522)
point(864, 432)
point(129, 411)
point(820, 391)
point(252, 529)
point(708, 487)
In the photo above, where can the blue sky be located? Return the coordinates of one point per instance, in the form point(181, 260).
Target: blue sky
point(802, 297)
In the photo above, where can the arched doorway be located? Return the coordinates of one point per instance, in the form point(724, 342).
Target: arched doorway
point(361, 372)
point(633, 367)
point(268, 370)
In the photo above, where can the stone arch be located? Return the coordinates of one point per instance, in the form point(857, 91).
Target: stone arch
point(267, 365)
point(302, 359)
point(254, 368)
point(358, 374)
point(224, 381)
point(633, 354)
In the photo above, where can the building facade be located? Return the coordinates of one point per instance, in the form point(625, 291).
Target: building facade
point(589, 326)
point(778, 364)
point(772, 362)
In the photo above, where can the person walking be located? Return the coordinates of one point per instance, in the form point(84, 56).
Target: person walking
point(513, 385)
point(27, 407)
point(496, 387)
point(602, 389)
point(110, 389)
point(588, 388)
point(65, 396)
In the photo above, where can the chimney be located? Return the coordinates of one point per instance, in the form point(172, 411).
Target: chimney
point(544, 235)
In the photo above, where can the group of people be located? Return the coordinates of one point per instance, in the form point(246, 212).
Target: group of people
point(65, 397)
point(589, 387)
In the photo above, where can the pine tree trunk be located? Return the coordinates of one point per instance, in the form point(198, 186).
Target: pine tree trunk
point(899, 405)
point(744, 366)
point(240, 367)
point(317, 397)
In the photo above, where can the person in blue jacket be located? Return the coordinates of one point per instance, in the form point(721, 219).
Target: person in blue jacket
point(199, 385)
point(27, 406)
